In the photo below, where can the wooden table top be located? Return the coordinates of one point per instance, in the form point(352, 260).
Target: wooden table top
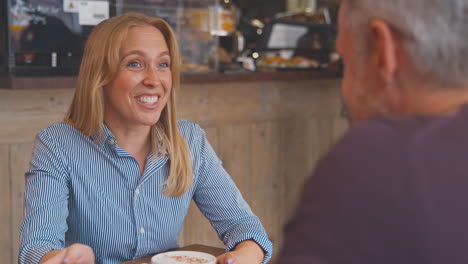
point(195, 247)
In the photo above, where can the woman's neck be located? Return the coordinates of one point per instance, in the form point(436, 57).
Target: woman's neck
point(136, 140)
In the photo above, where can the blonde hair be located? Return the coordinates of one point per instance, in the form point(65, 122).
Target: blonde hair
point(99, 67)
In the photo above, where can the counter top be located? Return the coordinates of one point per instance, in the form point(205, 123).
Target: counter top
point(58, 82)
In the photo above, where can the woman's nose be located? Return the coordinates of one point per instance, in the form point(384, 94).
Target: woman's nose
point(151, 77)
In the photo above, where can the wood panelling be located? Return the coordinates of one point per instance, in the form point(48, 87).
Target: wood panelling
point(269, 136)
point(267, 164)
point(20, 155)
point(301, 147)
point(197, 229)
point(5, 205)
point(236, 154)
point(24, 112)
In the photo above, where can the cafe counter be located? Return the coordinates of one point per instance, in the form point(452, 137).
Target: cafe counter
point(201, 78)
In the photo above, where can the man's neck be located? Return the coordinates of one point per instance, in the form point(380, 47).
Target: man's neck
point(423, 100)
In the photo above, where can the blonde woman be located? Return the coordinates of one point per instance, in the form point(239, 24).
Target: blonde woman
point(114, 181)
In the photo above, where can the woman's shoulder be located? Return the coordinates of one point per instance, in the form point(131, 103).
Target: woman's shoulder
point(188, 127)
point(59, 131)
point(190, 131)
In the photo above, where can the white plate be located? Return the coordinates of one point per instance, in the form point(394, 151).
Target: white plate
point(183, 257)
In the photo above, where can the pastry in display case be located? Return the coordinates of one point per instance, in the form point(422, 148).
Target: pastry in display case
point(295, 45)
point(280, 63)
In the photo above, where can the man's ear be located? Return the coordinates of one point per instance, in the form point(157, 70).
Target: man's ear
point(384, 49)
point(384, 46)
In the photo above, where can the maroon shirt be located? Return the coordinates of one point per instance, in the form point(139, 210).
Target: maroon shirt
point(391, 191)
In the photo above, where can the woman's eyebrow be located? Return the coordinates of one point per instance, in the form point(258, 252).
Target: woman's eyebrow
point(141, 53)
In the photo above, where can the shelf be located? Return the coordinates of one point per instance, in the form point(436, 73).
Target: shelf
point(60, 82)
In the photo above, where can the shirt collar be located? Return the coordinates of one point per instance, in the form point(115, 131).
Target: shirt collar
point(105, 137)
point(108, 138)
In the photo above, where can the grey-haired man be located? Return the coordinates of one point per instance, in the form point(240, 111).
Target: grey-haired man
point(394, 188)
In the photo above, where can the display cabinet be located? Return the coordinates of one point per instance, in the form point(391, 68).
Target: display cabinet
point(47, 37)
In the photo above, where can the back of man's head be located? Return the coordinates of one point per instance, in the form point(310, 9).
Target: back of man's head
point(434, 33)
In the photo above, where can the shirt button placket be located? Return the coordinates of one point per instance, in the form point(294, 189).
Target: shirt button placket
point(138, 221)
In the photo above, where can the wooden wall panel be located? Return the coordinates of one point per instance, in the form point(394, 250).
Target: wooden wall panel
point(339, 126)
point(301, 151)
point(236, 153)
point(267, 164)
point(197, 229)
point(5, 205)
point(212, 104)
point(20, 156)
point(27, 111)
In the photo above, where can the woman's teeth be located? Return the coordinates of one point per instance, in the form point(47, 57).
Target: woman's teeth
point(148, 99)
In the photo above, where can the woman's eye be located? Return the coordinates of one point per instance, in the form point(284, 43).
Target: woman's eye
point(134, 64)
point(164, 65)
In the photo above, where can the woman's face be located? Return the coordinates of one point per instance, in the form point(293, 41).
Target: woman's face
point(142, 86)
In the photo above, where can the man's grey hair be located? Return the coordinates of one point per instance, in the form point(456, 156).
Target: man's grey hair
point(434, 33)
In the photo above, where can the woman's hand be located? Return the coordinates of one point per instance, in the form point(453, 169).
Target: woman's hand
point(246, 252)
point(227, 258)
point(74, 254)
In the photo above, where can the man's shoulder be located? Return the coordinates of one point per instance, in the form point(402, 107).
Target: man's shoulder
point(399, 143)
point(375, 134)
point(403, 131)
point(372, 147)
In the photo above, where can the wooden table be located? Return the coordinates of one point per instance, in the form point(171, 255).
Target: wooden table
point(195, 247)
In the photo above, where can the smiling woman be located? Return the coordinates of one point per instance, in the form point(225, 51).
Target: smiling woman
point(141, 88)
point(106, 70)
point(115, 180)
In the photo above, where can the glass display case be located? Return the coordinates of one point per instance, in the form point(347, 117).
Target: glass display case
point(196, 23)
point(47, 37)
point(287, 45)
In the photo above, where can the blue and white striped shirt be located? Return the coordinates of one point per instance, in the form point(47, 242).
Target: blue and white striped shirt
point(79, 190)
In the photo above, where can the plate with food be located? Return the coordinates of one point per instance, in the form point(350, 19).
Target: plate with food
point(183, 257)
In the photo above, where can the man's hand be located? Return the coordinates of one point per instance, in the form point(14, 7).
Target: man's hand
point(74, 254)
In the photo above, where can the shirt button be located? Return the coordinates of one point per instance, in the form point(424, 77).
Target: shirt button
point(137, 191)
point(111, 141)
point(142, 230)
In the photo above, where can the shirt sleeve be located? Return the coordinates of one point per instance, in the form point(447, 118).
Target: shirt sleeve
point(343, 215)
point(45, 202)
point(221, 202)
